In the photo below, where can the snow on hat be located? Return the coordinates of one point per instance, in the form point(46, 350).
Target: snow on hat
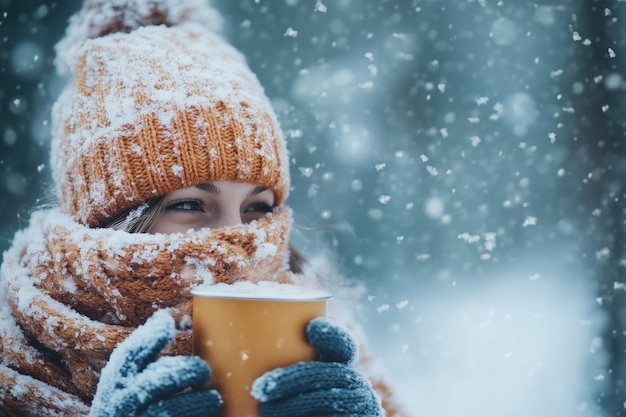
point(157, 102)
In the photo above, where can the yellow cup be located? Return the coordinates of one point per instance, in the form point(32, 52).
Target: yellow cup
point(243, 335)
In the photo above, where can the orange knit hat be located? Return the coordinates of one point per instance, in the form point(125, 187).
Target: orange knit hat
point(152, 109)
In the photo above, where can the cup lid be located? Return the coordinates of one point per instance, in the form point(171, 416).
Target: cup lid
point(261, 291)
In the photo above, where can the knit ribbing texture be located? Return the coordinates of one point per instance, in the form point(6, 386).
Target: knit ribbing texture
point(79, 291)
point(156, 110)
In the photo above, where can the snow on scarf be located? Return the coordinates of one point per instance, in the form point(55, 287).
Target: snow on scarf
point(69, 294)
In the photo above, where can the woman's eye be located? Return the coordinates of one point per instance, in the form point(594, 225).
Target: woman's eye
point(185, 206)
point(259, 208)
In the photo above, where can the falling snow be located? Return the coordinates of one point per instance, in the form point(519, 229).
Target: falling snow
point(464, 161)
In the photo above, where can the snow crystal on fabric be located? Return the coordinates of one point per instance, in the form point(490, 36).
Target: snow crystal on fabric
point(123, 111)
point(121, 93)
point(121, 370)
point(57, 403)
point(117, 280)
point(91, 21)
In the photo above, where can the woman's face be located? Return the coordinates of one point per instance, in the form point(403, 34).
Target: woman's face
point(216, 204)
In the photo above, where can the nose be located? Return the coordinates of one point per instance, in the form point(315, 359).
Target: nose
point(229, 218)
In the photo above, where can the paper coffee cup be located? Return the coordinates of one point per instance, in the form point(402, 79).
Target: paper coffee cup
point(245, 331)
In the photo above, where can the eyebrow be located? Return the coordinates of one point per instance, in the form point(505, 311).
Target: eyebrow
point(258, 190)
point(208, 187)
point(213, 189)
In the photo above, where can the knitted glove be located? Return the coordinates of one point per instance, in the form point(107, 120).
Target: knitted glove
point(327, 387)
point(137, 383)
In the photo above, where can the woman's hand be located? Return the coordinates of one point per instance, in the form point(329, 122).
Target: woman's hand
point(327, 387)
point(137, 383)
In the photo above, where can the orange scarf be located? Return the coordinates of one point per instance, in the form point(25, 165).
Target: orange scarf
point(69, 294)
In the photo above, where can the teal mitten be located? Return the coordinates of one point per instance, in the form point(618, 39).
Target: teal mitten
point(327, 387)
point(137, 383)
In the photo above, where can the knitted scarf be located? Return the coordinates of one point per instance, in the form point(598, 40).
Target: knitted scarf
point(69, 294)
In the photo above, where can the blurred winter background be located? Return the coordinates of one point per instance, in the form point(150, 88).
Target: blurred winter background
point(464, 158)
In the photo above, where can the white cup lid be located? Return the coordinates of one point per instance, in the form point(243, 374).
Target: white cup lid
point(264, 290)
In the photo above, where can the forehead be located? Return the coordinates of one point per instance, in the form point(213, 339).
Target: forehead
point(220, 188)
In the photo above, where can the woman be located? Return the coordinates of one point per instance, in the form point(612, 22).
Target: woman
point(164, 131)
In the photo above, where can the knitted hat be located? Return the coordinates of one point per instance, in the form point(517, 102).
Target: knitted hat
point(152, 109)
